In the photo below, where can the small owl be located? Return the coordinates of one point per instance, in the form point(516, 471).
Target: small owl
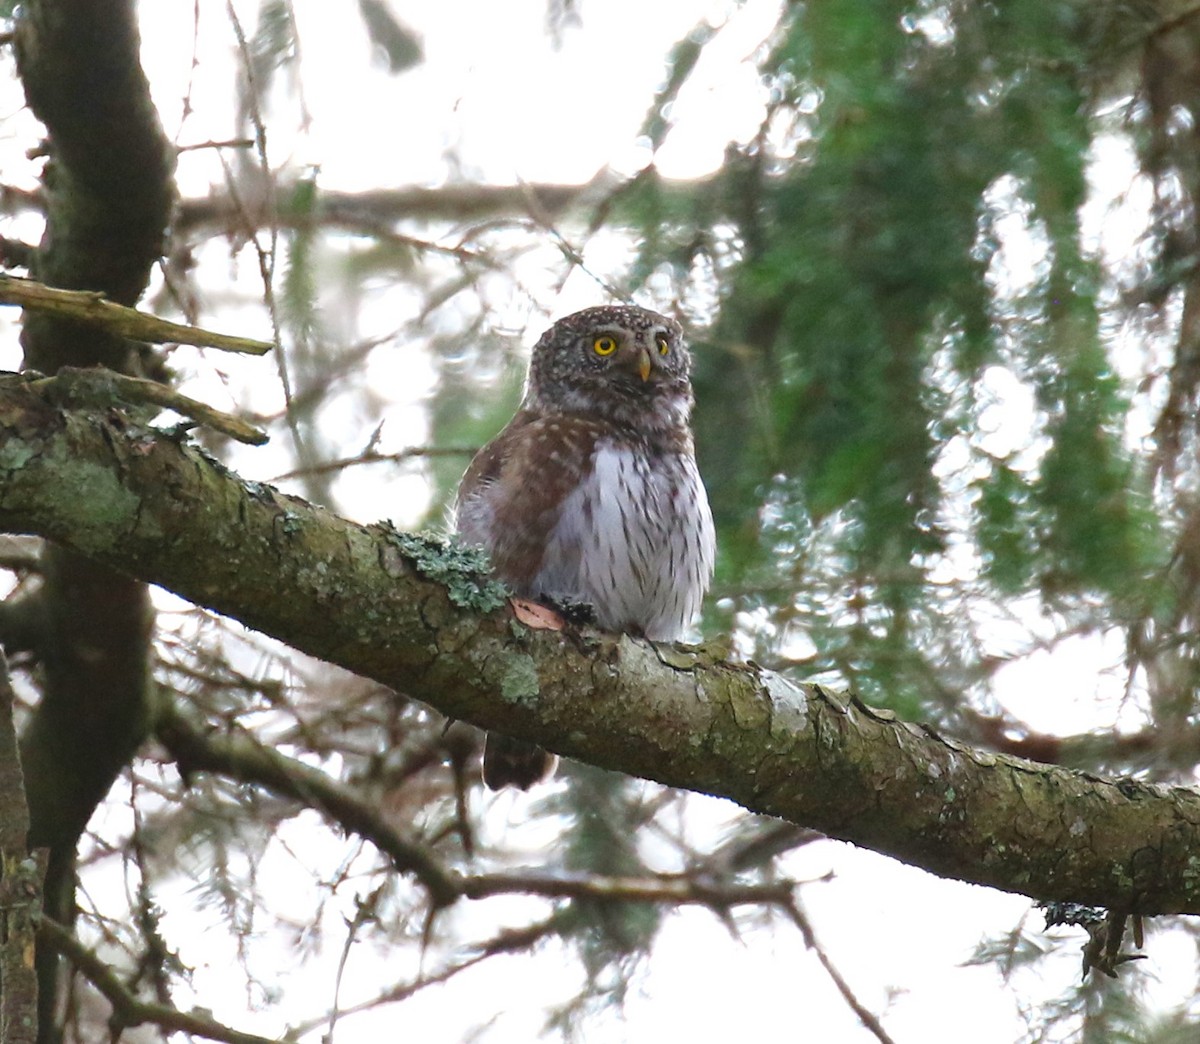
point(591, 493)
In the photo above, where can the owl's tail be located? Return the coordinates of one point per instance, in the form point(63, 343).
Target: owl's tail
point(509, 762)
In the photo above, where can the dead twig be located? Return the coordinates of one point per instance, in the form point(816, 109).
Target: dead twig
point(87, 306)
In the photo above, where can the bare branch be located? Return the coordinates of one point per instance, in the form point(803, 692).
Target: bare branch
point(514, 940)
point(242, 758)
point(86, 306)
point(455, 203)
point(128, 1010)
point(372, 457)
point(674, 889)
point(231, 143)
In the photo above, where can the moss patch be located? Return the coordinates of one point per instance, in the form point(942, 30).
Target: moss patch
point(462, 570)
point(519, 683)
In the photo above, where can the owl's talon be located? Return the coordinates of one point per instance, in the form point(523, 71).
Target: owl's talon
point(578, 614)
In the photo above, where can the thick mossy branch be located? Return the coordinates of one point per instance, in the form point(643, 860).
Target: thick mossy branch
point(164, 512)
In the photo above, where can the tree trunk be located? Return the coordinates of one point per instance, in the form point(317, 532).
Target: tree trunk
point(108, 185)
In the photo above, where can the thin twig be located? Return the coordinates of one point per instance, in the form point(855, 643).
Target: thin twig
point(867, 1017)
point(268, 255)
point(676, 889)
point(232, 143)
point(510, 941)
point(378, 458)
point(365, 912)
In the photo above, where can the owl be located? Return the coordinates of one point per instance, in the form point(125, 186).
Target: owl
point(591, 493)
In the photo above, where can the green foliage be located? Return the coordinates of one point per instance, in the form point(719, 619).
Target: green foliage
point(1098, 531)
point(299, 313)
point(869, 295)
point(681, 61)
point(1004, 528)
point(274, 44)
point(604, 815)
point(399, 46)
point(478, 393)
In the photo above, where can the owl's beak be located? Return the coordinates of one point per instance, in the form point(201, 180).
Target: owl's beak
point(643, 365)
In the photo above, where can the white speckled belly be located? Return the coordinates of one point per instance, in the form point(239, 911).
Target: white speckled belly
point(636, 543)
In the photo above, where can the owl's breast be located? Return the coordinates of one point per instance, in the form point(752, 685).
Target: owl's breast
point(634, 539)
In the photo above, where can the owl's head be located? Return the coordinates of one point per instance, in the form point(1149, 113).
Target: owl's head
point(620, 362)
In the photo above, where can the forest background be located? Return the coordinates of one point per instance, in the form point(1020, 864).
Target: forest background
point(940, 267)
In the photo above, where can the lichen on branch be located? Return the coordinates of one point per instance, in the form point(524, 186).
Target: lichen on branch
point(367, 599)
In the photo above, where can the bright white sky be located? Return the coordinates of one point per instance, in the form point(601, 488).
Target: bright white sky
point(497, 101)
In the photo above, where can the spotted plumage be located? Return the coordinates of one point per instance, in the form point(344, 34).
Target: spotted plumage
point(591, 493)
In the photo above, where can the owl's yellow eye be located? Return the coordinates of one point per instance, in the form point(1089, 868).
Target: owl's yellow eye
point(663, 346)
point(604, 345)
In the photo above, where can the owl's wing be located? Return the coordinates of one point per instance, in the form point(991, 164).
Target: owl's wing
point(511, 497)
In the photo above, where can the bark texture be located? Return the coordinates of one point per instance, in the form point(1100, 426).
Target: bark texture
point(20, 887)
point(108, 185)
point(405, 612)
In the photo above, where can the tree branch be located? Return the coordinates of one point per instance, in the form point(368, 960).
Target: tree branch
point(511, 940)
point(867, 1017)
point(399, 609)
point(128, 1010)
point(96, 310)
point(456, 203)
point(377, 209)
point(241, 757)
